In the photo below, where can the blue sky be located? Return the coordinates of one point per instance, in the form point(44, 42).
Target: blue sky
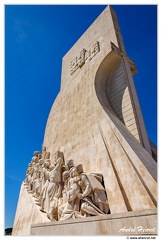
point(36, 39)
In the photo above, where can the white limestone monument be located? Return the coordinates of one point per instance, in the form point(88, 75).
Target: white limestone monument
point(95, 174)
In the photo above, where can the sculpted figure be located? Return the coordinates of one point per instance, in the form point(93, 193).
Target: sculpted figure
point(54, 190)
point(41, 188)
point(94, 199)
point(72, 207)
point(37, 184)
point(46, 168)
point(29, 174)
point(45, 182)
point(36, 174)
point(33, 174)
point(45, 155)
point(64, 199)
point(69, 164)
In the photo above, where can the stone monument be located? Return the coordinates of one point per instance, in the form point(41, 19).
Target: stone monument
point(95, 174)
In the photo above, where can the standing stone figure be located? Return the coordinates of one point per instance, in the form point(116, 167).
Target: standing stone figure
point(64, 199)
point(54, 190)
point(44, 183)
point(45, 155)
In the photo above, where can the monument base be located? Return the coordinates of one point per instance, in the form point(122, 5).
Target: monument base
point(130, 223)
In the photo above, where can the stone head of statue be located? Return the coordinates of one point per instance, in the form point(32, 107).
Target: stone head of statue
point(72, 172)
point(69, 164)
point(43, 148)
point(47, 163)
point(65, 175)
point(79, 168)
point(36, 153)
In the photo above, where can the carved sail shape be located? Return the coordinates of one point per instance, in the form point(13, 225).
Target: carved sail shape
point(118, 94)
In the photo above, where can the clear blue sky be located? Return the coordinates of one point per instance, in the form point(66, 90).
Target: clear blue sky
point(36, 39)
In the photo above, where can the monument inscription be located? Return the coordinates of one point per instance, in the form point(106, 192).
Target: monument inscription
point(83, 55)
